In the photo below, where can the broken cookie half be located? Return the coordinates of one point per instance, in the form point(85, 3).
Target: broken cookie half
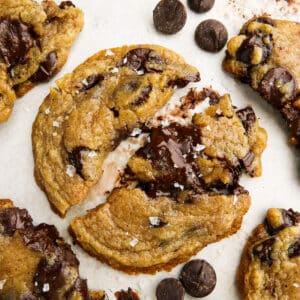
point(269, 267)
point(180, 190)
point(93, 109)
point(36, 263)
point(35, 40)
point(266, 55)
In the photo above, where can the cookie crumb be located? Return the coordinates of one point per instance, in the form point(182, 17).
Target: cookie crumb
point(296, 285)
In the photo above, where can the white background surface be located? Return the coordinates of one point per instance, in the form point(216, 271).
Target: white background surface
point(114, 23)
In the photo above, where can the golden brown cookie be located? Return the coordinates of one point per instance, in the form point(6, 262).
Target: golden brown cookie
point(35, 40)
point(35, 262)
point(269, 267)
point(266, 55)
point(181, 192)
point(93, 109)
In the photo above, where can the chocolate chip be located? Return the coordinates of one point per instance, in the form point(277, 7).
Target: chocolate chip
point(263, 251)
point(143, 59)
point(201, 6)
point(66, 4)
point(294, 249)
point(46, 68)
point(169, 16)
point(91, 81)
point(211, 35)
point(170, 289)
point(246, 51)
point(271, 86)
point(16, 38)
point(198, 278)
point(143, 96)
point(247, 116)
point(12, 219)
point(289, 218)
point(248, 160)
point(127, 295)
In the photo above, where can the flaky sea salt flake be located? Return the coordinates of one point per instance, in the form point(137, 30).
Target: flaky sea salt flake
point(154, 221)
point(46, 287)
point(134, 242)
point(47, 111)
point(70, 170)
point(109, 53)
point(55, 124)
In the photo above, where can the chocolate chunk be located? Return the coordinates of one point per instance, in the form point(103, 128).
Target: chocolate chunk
point(289, 218)
point(294, 249)
point(247, 116)
point(263, 251)
point(271, 86)
point(246, 51)
point(143, 96)
point(198, 278)
point(40, 238)
point(169, 16)
point(265, 20)
point(184, 81)
point(170, 289)
point(66, 4)
point(46, 68)
point(52, 272)
point(74, 158)
point(127, 295)
point(91, 81)
point(16, 38)
point(211, 35)
point(171, 150)
point(201, 6)
point(248, 160)
point(143, 59)
point(12, 219)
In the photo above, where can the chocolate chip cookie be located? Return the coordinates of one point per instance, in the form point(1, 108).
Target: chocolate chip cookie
point(35, 262)
point(265, 55)
point(180, 190)
point(270, 263)
point(93, 109)
point(35, 40)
